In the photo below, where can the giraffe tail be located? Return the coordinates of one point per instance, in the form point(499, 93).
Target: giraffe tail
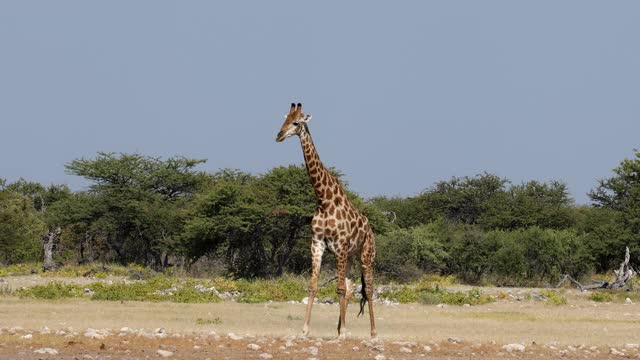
point(363, 299)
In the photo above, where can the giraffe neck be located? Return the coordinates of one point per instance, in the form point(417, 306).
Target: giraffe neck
point(324, 184)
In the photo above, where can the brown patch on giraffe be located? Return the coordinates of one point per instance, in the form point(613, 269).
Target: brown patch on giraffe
point(339, 214)
point(331, 223)
point(328, 193)
point(331, 210)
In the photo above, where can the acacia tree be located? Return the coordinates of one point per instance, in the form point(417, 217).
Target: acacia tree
point(136, 203)
point(21, 227)
point(42, 198)
point(546, 205)
point(260, 225)
point(621, 195)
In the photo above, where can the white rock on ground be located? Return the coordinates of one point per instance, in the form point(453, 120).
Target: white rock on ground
point(49, 351)
point(160, 333)
point(614, 351)
point(632, 346)
point(94, 334)
point(311, 350)
point(426, 348)
point(254, 347)
point(15, 329)
point(378, 348)
point(26, 337)
point(233, 336)
point(379, 357)
point(405, 350)
point(513, 347)
point(408, 344)
point(628, 301)
point(265, 356)
point(164, 353)
point(45, 330)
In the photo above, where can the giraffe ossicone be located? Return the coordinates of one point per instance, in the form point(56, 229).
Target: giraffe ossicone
point(336, 225)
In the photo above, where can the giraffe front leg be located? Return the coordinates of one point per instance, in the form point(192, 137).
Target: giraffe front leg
point(317, 249)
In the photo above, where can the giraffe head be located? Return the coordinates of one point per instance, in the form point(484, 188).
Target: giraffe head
point(293, 122)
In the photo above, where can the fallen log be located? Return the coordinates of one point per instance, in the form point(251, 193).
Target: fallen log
point(623, 276)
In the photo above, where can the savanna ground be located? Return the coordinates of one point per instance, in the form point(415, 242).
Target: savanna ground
point(582, 328)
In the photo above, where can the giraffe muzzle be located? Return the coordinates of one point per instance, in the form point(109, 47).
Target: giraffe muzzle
point(279, 137)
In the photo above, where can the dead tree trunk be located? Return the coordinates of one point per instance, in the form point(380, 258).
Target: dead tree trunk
point(623, 275)
point(48, 242)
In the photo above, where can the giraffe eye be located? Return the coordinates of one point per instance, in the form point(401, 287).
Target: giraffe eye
point(295, 123)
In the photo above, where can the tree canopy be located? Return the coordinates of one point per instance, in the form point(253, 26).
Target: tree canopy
point(165, 212)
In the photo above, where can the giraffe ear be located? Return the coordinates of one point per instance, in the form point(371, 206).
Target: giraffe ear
point(293, 108)
point(307, 118)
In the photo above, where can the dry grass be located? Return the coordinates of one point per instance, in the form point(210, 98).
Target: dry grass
point(502, 322)
point(484, 328)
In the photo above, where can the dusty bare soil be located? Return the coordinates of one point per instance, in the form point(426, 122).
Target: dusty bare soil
point(583, 329)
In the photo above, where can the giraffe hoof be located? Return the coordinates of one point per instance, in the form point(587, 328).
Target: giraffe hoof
point(305, 331)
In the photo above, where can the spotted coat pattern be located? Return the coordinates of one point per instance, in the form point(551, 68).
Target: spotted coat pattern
point(336, 225)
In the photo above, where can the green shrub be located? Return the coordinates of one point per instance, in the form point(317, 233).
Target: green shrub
point(425, 294)
point(20, 269)
point(52, 291)
point(403, 294)
point(223, 284)
point(553, 298)
point(151, 291)
point(601, 296)
point(331, 291)
point(430, 298)
point(282, 289)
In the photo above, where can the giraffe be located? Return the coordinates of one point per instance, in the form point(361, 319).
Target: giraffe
point(336, 225)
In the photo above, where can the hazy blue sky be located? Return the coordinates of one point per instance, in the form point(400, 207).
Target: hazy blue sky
point(402, 94)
